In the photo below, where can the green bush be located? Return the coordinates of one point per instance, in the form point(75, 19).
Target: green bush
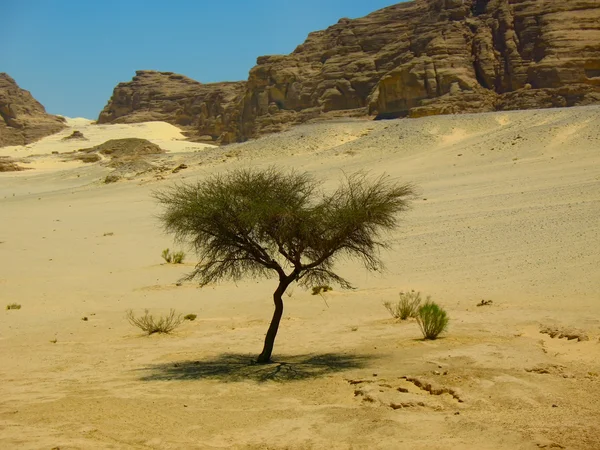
point(150, 325)
point(173, 258)
point(407, 306)
point(190, 317)
point(178, 257)
point(432, 319)
point(316, 290)
point(13, 306)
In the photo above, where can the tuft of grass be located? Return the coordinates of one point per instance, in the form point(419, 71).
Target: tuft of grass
point(432, 319)
point(173, 258)
point(406, 307)
point(190, 317)
point(316, 290)
point(150, 325)
point(178, 257)
point(13, 306)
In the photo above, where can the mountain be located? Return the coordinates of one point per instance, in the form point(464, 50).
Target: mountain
point(22, 118)
point(414, 59)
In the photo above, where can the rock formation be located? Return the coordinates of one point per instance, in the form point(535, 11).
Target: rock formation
point(413, 59)
point(22, 118)
point(204, 111)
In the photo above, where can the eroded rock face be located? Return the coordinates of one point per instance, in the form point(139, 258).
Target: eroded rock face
point(412, 59)
point(204, 111)
point(22, 118)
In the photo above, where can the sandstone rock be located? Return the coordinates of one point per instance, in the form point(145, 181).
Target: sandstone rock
point(7, 165)
point(75, 135)
point(200, 109)
point(128, 148)
point(22, 118)
point(413, 59)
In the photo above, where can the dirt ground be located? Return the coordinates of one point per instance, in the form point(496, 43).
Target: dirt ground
point(508, 211)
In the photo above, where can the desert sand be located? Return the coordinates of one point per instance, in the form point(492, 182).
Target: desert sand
point(508, 210)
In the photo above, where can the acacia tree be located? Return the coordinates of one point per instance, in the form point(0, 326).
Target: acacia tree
point(255, 223)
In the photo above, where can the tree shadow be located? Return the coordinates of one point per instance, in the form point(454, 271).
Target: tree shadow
point(232, 367)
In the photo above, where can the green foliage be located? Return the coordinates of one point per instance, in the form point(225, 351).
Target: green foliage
point(173, 258)
point(432, 319)
point(13, 306)
point(190, 317)
point(150, 325)
point(406, 307)
point(255, 223)
point(316, 290)
point(178, 257)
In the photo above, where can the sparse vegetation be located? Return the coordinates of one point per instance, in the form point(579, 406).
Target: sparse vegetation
point(432, 319)
point(190, 317)
point(13, 306)
point(173, 258)
point(150, 325)
point(316, 290)
point(406, 307)
point(257, 223)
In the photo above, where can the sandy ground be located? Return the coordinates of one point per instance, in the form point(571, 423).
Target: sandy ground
point(508, 211)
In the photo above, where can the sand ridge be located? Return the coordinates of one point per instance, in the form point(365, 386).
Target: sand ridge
point(507, 210)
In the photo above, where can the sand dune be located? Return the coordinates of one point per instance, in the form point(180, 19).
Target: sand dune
point(508, 211)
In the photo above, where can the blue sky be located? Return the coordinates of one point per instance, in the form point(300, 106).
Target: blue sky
point(71, 54)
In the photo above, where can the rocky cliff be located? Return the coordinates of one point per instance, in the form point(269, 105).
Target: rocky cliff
point(417, 58)
point(22, 118)
point(204, 111)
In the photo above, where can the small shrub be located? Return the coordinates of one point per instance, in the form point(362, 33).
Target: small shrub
point(173, 258)
point(432, 319)
point(407, 306)
point(316, 290)
point(13, 306)
point(150, 325)
point(190, 317)
point(178, 257)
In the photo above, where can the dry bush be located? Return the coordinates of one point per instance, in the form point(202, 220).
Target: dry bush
point(151, 325)
point(173, 258)
point(407, 306)
point(432, 319)
point(316, 290)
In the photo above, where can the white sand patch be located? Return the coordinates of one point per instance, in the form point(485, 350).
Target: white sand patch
point(162, 134)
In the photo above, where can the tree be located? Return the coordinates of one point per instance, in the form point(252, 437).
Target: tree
point(255, 223)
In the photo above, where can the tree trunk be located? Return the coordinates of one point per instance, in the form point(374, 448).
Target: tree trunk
point(265, 356)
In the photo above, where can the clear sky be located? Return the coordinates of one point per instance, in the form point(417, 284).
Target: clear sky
point(71, 54)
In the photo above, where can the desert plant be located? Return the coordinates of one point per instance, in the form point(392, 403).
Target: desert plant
point(255, 223)
point(173, 258)
point(13, 306)
point(178, 257)
point(190, 317)
point(151, 325)
point(432, 319)
point(316, 290)
point(407, 306)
